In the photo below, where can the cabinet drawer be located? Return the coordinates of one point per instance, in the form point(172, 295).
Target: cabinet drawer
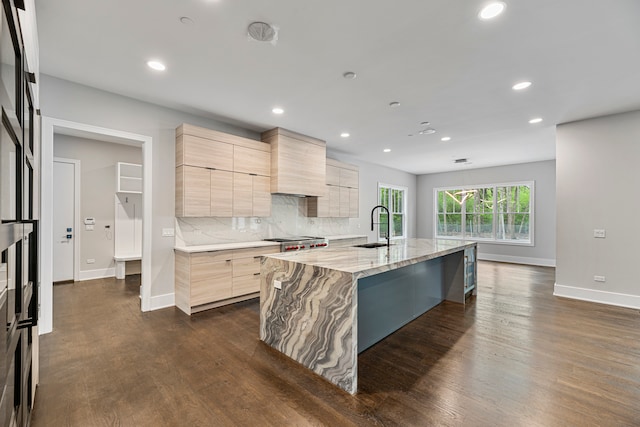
point(246, 285)
point(253, 252)
point(246, 266)
point(208, 257)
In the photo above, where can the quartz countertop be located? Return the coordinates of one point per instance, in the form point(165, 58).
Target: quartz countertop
point(345, 236)
point(364, 262)
point(224, 246)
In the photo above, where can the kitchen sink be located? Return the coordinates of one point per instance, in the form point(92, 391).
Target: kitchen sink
point(371, 245)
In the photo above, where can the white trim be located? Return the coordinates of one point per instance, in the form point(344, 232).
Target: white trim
point(50, 126)
point(100, 273)
point(163, 301)
point(543, 262)
point(77, 172)
point(601, 297)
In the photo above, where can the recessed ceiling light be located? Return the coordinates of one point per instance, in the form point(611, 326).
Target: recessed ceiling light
point(277, 110)
point(521, 85)
point(349, 75)
point(492, 10)
point(425, 124)
point(427, 131)
point(156, 65)
point(387, 150)
point(536, 120)
point(345, 134)
point(445, 138)
point(394, 104)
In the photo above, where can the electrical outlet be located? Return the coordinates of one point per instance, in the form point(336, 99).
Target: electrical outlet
point(599, 233)
point(90, 260)
point(168, 232)
point(599, 278)
point(277, 284)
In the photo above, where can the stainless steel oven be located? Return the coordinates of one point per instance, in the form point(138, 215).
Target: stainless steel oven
point(300, 243)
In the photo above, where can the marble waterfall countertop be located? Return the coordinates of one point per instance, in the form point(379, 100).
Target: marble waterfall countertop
point(309, 299)
point(363, 262)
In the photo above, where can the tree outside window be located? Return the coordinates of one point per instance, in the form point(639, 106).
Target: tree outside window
point(500, 213)
point(394, 199)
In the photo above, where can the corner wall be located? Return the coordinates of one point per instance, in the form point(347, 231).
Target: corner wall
point(597, 186)
point(544, 176)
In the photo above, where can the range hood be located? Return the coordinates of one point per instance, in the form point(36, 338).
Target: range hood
point(298, 163)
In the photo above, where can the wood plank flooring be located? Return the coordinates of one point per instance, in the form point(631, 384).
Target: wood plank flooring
point(515, 355)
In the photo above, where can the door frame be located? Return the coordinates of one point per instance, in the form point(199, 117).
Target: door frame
point(77, 170)
point(51, 126)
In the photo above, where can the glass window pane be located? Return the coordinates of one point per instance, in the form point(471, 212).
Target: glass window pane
point(449, 225)
point(479, 226)
point(382, 228)
point(398, 229)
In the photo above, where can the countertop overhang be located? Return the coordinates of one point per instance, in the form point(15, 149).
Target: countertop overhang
point(363, 262)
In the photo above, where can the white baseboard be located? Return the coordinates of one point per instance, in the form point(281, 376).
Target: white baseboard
point(593, 295)
point(163, 301)
point(97, 274)
point(543, 262)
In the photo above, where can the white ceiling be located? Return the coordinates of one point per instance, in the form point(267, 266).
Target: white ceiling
point(435, 57)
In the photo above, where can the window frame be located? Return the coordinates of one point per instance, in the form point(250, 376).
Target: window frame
point(405, 191)
point(492, 240)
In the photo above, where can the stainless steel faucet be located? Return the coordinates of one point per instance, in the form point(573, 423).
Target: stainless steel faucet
point(388, 216)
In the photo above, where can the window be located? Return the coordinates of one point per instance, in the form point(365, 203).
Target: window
point(394, 198)
point(498, 213)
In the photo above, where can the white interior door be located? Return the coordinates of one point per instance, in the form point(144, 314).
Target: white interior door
point(64, 234)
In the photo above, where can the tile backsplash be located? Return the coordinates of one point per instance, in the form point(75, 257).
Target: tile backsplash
point(287, 218)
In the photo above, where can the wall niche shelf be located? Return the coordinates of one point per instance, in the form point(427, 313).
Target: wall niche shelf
point(128, 178)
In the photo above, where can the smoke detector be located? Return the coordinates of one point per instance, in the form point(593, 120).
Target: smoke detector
point(261, 31)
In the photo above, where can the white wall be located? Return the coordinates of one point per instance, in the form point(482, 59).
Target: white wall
point(65, 100)
point(97, 189)
point(597, 187)
point(542, 173)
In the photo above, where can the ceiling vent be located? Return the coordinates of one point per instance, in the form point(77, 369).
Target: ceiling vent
point(462, 160)
point(261, 31)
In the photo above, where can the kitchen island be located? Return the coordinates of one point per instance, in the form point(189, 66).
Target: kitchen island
point(323, 307)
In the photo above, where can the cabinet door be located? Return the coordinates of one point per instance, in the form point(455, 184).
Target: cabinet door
point(261, 196)
point(207, 153)
point(242, 195)
point(349, 178)
point(221, 193)
point(333, 175)
point(354, 203)
point(248, 160)
point(210, 282)
point(196, 191)
point(334, 201)
point(344, 202)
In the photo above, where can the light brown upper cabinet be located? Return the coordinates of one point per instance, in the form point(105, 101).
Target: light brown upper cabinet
point(298, 163)
point(342, 199)
point(221, 175)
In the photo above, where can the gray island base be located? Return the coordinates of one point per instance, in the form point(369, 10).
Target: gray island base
point(322, 307)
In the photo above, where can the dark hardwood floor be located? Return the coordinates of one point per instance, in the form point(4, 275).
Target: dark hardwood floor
point(514, 356)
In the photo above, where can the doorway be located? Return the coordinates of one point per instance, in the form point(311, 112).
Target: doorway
point(51, 126)
point(66, 211)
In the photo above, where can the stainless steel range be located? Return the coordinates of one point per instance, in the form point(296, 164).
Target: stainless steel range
point(300, 243)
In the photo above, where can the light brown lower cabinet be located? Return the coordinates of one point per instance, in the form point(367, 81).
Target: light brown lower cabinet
point(205, 280)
